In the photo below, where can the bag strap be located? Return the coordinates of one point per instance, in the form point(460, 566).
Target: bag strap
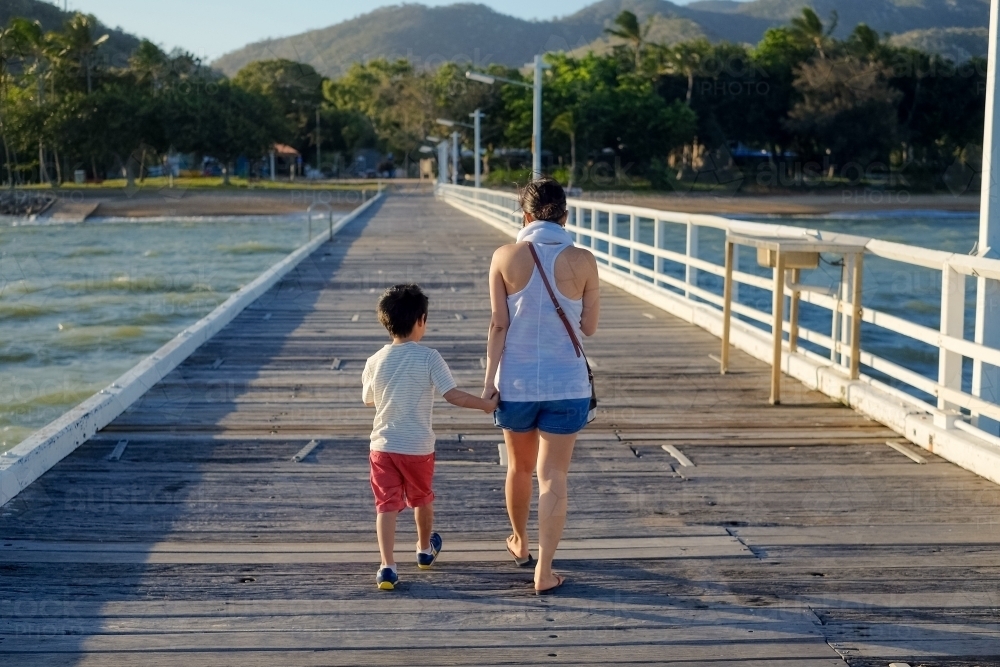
point(555, 302)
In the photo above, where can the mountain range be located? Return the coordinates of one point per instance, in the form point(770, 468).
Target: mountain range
point(479, 35)
point(119, 46)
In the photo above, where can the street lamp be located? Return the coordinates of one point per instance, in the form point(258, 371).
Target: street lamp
point(478, 115)
point(536, 129)
point(454, 146)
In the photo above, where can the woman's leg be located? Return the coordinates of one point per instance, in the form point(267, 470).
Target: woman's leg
point(554, 454)
point(522, 456)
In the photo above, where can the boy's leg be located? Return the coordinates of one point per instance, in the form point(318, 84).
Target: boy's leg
point(385, 526)
point(418, 479)
point(424, 516)
point(387, 486)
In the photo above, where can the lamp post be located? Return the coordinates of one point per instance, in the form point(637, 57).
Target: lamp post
point(536, 125)
point(454, 157)
point(319, 164)
point(477, 130)
point(986, 377)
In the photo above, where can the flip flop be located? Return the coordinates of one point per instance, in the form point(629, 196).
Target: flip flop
point(527, 561)
point(547, 591)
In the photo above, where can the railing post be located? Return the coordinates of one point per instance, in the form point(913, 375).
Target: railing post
point(793, 313)
point(856, 313)
point(658, 244)
point(633, 237)
point(736, 267)
point(690, 273)
point(952, 324)
point(842, 337)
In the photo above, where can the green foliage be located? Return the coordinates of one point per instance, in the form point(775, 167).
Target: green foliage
point(296, 90)
point(642, 113)
point(62, 107)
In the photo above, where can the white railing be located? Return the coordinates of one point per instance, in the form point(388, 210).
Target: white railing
point(658, 254)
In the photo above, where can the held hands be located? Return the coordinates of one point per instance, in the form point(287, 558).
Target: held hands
point(492, 398)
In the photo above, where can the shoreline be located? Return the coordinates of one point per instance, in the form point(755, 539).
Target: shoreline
point(102, 204)
point(846, 203)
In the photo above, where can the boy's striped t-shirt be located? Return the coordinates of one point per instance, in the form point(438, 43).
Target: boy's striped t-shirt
point(401, 380)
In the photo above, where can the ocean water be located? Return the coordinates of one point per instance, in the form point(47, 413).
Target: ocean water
point(81, 304)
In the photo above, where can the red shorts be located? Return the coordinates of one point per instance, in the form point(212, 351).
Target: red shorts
point(401, 480)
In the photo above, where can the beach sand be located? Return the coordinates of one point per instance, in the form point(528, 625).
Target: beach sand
point(180, 202)
point(849, 202)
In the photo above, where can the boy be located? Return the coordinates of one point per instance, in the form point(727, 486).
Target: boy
point(399, 382)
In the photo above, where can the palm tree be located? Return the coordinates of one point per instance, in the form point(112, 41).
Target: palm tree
point(630, 30)
point(79, 45)
point(809, 28)
point(685, 59)
point(566, 124)
point(17, 40)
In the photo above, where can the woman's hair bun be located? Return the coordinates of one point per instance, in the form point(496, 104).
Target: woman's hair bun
point(544, 199)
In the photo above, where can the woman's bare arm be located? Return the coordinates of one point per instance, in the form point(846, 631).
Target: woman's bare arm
point(499, 323)
point(591, 299)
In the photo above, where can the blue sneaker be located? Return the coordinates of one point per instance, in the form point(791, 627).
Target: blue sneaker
point(386, 579)
point(424, 561)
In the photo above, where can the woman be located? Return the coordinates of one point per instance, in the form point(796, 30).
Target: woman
point(533, 363)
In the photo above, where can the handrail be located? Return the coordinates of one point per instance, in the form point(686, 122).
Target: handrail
point(637, 244)
point(309, 217)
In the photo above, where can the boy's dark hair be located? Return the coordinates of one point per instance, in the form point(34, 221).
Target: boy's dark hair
point(544, 199)
point(401, 307)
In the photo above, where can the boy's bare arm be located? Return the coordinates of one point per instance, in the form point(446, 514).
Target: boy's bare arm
point(370, 405)
point(466, 400)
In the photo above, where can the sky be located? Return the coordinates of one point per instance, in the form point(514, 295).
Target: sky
point(210, 28)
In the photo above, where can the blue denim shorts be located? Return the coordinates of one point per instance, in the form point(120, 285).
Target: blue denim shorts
point(557, 417)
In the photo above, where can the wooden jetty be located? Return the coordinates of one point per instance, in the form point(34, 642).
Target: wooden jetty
point(226, 517)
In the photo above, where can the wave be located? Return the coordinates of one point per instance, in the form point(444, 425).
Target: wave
point(252, 248)
point(93, 251)
point(23, 287)
point(47, 399)
point(86, 337)
point(123, 283)
point(24, 311)
point(15, 356)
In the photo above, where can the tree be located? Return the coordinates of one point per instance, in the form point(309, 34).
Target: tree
point(685, 59)
point(809, 28)
point(224, 121)
point(16, 41)
point(778, 56)
point(296, 89)
point(79, 46)
point(564, 123)
point(847, 107)
point(630, 30)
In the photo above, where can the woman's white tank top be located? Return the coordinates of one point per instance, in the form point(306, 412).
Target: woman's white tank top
point(539, 362)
